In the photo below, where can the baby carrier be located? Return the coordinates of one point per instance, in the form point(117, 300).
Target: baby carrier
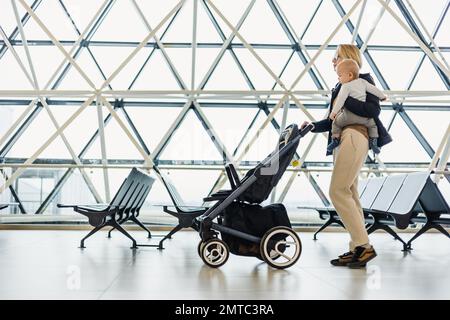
point(246, 227)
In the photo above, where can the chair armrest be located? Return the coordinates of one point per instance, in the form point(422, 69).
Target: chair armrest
point(61, 205)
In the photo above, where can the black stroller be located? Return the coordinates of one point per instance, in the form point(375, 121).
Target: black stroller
point(247, 228)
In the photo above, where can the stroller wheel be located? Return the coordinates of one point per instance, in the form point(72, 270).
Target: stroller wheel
point(281, 247)
point(200, 248)
point(214, 252)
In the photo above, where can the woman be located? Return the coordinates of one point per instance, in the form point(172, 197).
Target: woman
point(348, 159)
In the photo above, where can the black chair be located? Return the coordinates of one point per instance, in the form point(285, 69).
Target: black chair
point(420, 195)
point(185, 214)
point(376, 195)
point(131, 213)
point(100, 217)
point(389, 188)
point(330, 214)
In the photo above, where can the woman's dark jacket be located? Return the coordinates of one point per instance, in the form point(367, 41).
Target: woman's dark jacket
point(369, 109)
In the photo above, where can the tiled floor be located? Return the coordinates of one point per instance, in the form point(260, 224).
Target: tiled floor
point(49, 265)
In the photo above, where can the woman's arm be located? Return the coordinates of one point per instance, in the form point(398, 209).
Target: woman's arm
point(322, 125)
point(369, 109)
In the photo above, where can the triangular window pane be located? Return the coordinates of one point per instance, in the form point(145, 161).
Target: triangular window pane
point(9, 66)
point(112, 28)
point(432, 124)
point(259, 76)
point(52, 15)
point(226, 76)
point(428, 78)
point(73, 79)
point(404, 147)
point(111, 59)
point(230, 123)
point(262, 26)
point(318, 30)
point(396, 67)
point(152, 122)
point(298, 13)
point(190, 142)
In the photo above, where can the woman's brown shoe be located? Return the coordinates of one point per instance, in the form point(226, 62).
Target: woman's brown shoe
point(343, 260)
point(361, 256)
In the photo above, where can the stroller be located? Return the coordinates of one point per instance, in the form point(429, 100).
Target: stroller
point(247, 228)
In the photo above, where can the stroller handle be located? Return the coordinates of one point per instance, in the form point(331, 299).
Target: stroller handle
point(306, 129)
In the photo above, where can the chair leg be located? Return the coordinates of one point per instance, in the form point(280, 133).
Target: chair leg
point(441, 229)
point(169, 235)
point(88, 235)
point(111, 230)
point(339, 222)
point(389, 230)
point(425, 228)
point(325, 225)
point(380, 226)
point(372, 228)
point(140, 224)
point(126, 234)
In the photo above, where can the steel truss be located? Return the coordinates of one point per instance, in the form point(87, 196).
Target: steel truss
point(192, 97)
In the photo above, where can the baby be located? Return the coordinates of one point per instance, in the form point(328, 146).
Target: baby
point(353, 86)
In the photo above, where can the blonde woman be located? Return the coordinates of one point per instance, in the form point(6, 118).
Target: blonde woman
point(348, 159)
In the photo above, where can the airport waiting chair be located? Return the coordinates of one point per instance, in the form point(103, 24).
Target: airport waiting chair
point(102, 216)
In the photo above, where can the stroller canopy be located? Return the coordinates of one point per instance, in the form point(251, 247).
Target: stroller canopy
point(271, 169)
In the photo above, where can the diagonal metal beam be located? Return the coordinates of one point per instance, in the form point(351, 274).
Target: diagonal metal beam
point(226, 42)
point(160, 46)
point(15, 32)
point(417, 39)
point(294, 43)
point(230, 49)
point(177, 77)
point(247, 45)
point(105, 9)
point(17, 134)
point(134, 129)
point(227, 156)
point(358, 23)
point(147, 160)
point(14, 194)
point(412, 24)
point(311, 19)
point(141, 44)
point(308, 66)
point(432, 45)
point(422, 59)
point(57, 44)
point(98, 22)
point(69, 171)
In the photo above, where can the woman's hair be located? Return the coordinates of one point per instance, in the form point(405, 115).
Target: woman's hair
point(349, 65)
point(350, 51)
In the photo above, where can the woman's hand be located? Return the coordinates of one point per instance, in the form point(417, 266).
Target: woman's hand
point(304, 124)
point(332, 115)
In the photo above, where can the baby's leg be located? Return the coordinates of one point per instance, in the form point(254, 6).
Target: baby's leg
point(369, 123)
point(335, 130)
point(336, 125)
point(372, 127)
